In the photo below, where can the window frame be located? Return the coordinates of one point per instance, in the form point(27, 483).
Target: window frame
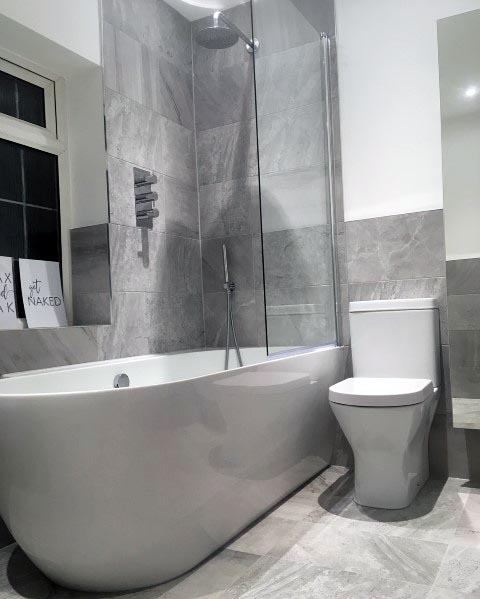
point(43, 138)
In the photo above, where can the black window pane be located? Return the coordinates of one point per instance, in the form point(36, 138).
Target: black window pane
point(8, 104)
point(11, 230)
point(43, 234)
point(31, 103)
point(41, 179)
point(10, 171)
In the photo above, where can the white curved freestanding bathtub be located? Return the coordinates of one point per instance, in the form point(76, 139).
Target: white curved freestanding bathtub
point(113, 489)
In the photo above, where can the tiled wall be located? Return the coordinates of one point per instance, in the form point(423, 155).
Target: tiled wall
point(228, 183)
point(156, 274)
point(295, 213)
point(403, 256)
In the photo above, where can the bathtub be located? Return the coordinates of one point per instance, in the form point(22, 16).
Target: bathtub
point(113, 489)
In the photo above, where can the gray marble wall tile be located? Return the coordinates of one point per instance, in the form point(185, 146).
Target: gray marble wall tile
point(280, 25)
point(297, 258)
point(289, 79)
point(128, 64)
point(224, 95)
point(464, 312)
point(465, 364)
point(108, 57)
point(294, 200)
point(300, 330)
point(121, 192)
point(320, 297)
point(184, 265)
point(134, 132)
point(230, 208)
point(128, 335)
point(240, 262)
point(291, 140)
point(92, 308)
point(405, 246)
point(154, 24)
point(320, 15)
point(168, 89)
point(185, 324)
point(181, 208)
point(227, 153)
point(178, 152)
point(138, 259)
point(246, 315)
point(43, 348)
point(453, 451)
point(90, 259)
point(463, 276)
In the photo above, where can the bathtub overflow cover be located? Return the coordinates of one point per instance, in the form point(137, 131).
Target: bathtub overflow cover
point(121, 380)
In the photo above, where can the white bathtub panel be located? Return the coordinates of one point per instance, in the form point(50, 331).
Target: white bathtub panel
point(126, 488)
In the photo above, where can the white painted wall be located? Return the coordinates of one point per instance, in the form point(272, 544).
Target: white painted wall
point(390, 104)
point(74, 24)
point(461, 175)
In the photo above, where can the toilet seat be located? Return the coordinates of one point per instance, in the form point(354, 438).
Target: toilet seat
point(381, 392)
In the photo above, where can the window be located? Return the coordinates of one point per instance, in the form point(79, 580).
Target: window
point(29, 167)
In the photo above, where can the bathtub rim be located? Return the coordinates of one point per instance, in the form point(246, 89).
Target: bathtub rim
point(124, 390)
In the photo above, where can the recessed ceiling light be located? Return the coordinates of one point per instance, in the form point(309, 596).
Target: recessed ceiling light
point(471, 91)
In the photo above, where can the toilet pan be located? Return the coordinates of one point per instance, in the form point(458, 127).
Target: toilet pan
point(387, 423)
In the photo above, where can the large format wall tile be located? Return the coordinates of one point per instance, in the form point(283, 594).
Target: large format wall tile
point(181, 208)
point(404, 246)
point(294, 200)
point(279, 26)
point(155, 24)
point(230, 208)
point(248, 316)
point(289, 79)
point(178, 152)
point(240, 263)
point(224, 95)
point(138, 259)
point(291, 140)
point(43, 348)
point(463, 276)
point(463, 312)
point(297, 258)
point(134, 133)
point(227, 153)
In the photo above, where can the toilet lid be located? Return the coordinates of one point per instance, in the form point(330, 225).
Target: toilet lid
point(380, 392)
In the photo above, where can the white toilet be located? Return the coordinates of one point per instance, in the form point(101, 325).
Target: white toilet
point(387, 409)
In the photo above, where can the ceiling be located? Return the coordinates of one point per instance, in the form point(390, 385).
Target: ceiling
point(459, 61)
point(196, 9)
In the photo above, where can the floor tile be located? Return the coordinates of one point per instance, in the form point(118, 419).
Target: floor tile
point(269, 533)
point(283, 579)
point(375, 555)
point(214, 576)
point(460, 569)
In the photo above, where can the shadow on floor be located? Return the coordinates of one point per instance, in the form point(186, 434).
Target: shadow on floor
point(338, 500)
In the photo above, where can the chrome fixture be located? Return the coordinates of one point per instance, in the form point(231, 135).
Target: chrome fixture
point(229, 287)
point(145, 198)
point(222, 33)
point(121, 380)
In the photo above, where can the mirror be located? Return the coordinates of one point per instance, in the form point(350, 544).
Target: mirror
point(53, 184)
point(459, 64)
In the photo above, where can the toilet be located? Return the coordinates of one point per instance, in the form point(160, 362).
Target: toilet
point(386, 409)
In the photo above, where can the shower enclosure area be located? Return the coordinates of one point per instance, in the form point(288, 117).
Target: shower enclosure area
point(234, 113)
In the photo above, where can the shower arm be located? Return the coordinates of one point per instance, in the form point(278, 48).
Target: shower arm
point(218, 14)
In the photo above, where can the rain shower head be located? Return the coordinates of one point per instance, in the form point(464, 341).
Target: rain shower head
point(217, 37)
point(219, 33)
